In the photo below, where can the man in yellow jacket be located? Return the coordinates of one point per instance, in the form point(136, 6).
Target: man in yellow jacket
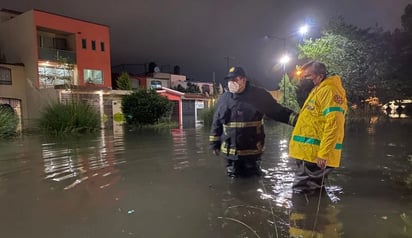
point(316, 141)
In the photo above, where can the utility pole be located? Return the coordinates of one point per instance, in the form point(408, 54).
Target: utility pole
point(303, 30)
point(228, 58)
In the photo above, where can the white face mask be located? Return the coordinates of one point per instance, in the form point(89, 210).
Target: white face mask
point(233, 86)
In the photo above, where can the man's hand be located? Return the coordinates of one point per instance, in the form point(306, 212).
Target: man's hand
point(216, 152)
point(321, 163)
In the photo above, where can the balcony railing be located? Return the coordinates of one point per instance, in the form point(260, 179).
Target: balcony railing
point(55, 54)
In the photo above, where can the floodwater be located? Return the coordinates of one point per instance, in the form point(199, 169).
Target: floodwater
point(165, 183)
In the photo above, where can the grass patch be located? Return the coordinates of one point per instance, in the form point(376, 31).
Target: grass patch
point(69, 118)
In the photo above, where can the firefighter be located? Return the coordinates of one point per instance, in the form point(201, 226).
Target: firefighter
point(237, 129)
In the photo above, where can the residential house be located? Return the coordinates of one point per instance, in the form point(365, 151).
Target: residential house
point(187, 106)
point(13, 94)
point(55, 50)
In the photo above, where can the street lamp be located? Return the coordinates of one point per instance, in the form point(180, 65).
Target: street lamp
point(303, 30)
point(284, 60)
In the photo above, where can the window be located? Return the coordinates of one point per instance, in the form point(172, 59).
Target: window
point(155, 84)
point(93, 76)
point(84, 44)
point(40, 41)
point(5, 76)
point(102, 46)
point(93, 45)
point(50, 42)
point(54, 75)
point(60, 43)
point(45, 42)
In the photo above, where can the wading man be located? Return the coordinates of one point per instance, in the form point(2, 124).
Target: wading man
point(237, 130)
point(316, 141)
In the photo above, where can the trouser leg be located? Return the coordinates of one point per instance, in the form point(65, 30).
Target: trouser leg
point(252, 166)
point(243, 166)
point(230, 167)
point(309, 176)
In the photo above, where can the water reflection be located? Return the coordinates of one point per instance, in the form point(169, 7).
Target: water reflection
point(397, 109)
point(307, 222)
point(186, 150)
point(72, 163)
point(304, 215)
point(165, 183)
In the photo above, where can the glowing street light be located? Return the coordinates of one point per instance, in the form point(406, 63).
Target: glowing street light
point(303, 30)
point(284, 59)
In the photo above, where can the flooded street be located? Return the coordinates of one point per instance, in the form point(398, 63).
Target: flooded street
point(166, 183)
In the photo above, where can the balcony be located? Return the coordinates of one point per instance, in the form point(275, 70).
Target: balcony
point(53, 55)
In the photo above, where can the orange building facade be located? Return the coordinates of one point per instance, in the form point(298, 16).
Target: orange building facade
point(55, 51)
point(90, 49)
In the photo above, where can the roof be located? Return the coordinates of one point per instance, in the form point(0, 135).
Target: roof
point(195, 96)
point(171, 91)
point(15, 64)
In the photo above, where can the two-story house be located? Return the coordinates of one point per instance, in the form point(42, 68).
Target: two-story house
point(52, 50)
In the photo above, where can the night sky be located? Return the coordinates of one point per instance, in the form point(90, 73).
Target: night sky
point(199, 35)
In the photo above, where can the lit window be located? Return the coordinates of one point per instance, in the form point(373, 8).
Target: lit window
point(55, 75)
point(155, 84)
point(93, 76)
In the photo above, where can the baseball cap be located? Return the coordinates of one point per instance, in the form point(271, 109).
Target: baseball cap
point(235, 72)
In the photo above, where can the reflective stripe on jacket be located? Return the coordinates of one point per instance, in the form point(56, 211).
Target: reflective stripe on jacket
point(249, 138)
point(237, 128)
point(319, 130)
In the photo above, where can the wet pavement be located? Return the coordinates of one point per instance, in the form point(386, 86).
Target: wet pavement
point(165, 183)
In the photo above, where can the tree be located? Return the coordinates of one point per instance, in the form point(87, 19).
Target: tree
point(179, 88)
point(406, 19)
point(144, 107)
point(288, 88)
point(190, 88)
point(123, 82)
point(403, 55)
point(372, 62)
point(359, 56)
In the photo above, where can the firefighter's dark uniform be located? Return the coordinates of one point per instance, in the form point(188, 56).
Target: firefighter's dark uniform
point(237, 128)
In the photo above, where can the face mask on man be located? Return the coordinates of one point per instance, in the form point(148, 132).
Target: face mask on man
point(307, 84)
point(303, 90)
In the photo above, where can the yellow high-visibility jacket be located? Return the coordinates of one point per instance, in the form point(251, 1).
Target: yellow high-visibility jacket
point(319, 130)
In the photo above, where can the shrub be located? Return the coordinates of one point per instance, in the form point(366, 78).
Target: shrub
point(207, 115)
point(74, 117)
point(123, 82)
point(8, 121)
point(145, 107)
